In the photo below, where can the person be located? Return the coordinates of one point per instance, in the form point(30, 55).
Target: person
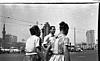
point(48, 41)
point(60, 50)
point(33, 43)
point(50, 37)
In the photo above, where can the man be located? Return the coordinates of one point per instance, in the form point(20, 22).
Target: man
point(49, 39)
point(48, 42)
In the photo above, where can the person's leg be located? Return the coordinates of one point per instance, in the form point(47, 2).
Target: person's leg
point(34, 58)
point(27, 58)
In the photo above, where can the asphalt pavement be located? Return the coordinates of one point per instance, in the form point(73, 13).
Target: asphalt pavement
point(89, 55)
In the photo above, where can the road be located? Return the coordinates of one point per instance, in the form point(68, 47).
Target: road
point(75, 56)
point(84, 56)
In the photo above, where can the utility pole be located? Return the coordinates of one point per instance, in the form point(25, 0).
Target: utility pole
point(74, 36)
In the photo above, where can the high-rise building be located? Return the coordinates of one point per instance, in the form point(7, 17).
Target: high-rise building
point(45, 29)
point(10, 38)
point(90, 35)
point(9, 41)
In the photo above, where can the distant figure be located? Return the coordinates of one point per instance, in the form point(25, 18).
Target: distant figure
point(60, 50)
point(48, 41)
point(33, 44)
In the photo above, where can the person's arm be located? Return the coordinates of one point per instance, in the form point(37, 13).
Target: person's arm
point(27, 45)
point(38, 47)
point(46, 38)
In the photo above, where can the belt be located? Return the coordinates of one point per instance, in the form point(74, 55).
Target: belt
point(31, 53)
point(58, 53)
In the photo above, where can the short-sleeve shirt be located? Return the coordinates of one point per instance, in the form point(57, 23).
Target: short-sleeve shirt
point(49, 39)
point(59, 44)
point(32, 43)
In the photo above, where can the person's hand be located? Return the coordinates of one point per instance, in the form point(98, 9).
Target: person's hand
point(48, 47)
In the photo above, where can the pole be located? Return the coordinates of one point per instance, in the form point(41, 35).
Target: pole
point(75, 36)
point(3, 36)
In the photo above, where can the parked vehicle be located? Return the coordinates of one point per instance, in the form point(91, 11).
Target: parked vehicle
point(75, 49)
point(78, 49)
point(2, 50)
point(6, 50)
point(14, 50)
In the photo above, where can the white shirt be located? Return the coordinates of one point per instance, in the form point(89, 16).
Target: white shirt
point(32, 43)
point(49, 39)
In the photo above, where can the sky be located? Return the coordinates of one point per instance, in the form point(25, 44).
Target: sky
point(82, 17)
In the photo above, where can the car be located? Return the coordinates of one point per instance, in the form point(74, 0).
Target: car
point(6, 50)
point(90, 49)
point(14, 50)
point(2, 50)
point(75, 49)
point(78, 49)
point(72, 49)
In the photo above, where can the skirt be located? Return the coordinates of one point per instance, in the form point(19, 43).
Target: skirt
point(57, 58)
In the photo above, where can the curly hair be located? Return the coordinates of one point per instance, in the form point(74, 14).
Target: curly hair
point(35, 30)
point(51, 27)
point(64, 27)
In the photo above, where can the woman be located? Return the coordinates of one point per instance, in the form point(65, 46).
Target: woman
point(60, 51)
point(33, 44)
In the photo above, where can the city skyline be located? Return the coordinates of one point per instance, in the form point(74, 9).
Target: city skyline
point(19, 17)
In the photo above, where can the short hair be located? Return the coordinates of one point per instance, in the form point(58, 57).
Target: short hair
point(64, 27)
point(51, 27)
point(35, 30)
